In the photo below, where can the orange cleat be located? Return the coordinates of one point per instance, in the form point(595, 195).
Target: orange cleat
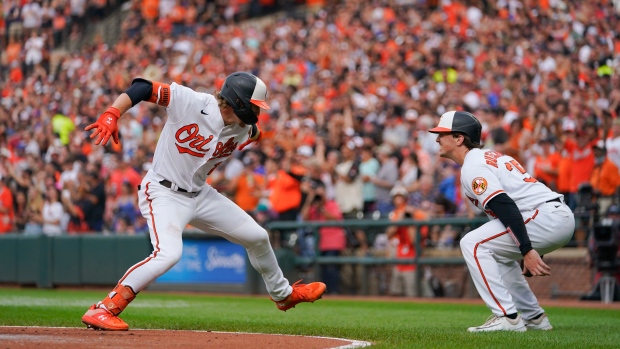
point(302, 293)
point(101, 319)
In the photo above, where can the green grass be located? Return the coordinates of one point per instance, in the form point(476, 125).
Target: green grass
point(386, 324)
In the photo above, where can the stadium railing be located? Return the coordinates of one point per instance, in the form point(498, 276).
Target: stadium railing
point(374, 224)
point(420, 259)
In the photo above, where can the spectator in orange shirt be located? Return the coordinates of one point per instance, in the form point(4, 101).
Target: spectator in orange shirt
point(285, 194)
point(123, 173)
point(13, 50)
point(605, 177)
point(7, 214)
point(150, 10)
point(582, 162)
point(515, 142)
point(564, 172)
point(16, 74)
point(249, 185)
point(547, 163)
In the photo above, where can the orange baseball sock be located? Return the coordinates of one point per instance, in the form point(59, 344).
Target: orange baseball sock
point(118, 299)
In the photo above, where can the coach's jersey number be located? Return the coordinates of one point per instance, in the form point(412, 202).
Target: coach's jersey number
point(514, 164)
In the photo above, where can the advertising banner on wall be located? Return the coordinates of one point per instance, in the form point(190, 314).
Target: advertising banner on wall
point(208, 261)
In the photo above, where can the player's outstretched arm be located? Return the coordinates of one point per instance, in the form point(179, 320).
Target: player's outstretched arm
point(106, 125)
point(140, 90)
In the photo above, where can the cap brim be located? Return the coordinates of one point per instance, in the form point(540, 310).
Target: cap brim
point(439, 130)
point(261, 104)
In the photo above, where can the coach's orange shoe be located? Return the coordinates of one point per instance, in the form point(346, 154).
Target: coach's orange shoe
point(101, 319)
point(302, 293)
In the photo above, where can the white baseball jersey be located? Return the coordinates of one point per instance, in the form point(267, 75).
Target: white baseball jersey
point(193, 143)
point(487, 173)
point(491, 251)
point(194, 140)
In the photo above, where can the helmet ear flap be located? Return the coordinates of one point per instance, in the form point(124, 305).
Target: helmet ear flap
point(238, 90)
point(231, 96)
point(239, 104)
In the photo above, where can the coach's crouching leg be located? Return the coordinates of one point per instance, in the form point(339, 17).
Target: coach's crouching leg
point(478, 248)
point(484, 270)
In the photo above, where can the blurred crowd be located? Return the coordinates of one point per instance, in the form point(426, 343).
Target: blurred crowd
point(31, 29)
point(353, 85)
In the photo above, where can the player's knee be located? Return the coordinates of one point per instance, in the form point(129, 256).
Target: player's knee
point(260, 237)
point(168, 257)
point(167, 262)
point(257, 238)
point(467, 243)
point(175, 257)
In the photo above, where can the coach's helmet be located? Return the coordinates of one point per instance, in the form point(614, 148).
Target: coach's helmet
point(241, 90)
point(459, 121)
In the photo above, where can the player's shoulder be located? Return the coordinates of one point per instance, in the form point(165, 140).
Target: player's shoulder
point(476, 157)
point(486, 157)
point(209, 98)
point(182, 89)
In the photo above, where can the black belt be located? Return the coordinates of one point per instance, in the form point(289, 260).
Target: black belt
point(554, 200)
point(166, 183)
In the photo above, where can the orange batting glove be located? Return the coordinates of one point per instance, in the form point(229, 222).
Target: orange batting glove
point(253, 138)
point(105, 127)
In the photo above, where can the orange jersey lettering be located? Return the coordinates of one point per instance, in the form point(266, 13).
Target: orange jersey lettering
point(491, 157)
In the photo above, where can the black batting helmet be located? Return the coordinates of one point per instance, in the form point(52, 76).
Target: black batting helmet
point(241, 90)
point(459, 121)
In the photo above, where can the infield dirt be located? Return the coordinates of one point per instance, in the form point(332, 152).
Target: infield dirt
point(82, 338)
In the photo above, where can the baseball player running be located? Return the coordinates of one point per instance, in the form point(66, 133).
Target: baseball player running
point(528, 220)
point(201, 131)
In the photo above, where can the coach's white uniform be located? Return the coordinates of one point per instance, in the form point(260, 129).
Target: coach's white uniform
point(491, 251)
point(194, 141)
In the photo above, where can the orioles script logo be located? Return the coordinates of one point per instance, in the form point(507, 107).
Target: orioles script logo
point(223, 150)
point(194, 143)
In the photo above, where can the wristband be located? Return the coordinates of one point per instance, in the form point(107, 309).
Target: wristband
point(160, 94)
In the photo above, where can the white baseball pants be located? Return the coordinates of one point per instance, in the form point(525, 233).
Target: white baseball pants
point(492, 254)
point(168, 212)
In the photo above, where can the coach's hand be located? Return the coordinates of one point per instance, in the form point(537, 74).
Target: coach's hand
point(105, 127)
point(533, 263)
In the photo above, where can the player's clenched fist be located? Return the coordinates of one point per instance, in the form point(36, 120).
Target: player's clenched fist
point(105, 127)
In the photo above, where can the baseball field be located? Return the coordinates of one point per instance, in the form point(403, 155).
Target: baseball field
point(384, 323)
